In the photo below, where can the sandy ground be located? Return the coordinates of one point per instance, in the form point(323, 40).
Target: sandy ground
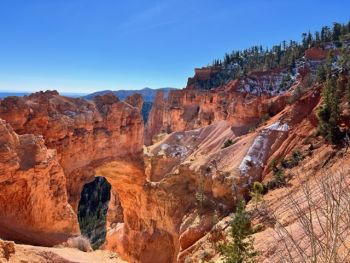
point(33, 254)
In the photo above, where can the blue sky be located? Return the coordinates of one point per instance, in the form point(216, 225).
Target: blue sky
point(89, 45)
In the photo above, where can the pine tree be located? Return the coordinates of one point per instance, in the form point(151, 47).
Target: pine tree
point(304, 40)
point(321, 74)
point(256, 192)
point(329, 113)
point(336, 31)
point(317, 37)
point(241, 248)
point(309, 39)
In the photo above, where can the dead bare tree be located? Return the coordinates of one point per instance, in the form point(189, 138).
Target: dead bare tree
point(320, 232)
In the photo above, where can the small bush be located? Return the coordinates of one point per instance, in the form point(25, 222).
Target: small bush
point(296, 158)
point(295, 96)
point(228, 143)
point(256, 192)
point(80, 242)
point(273, 165)
point(279, 178)
point(265, 118)
point(252, 129)
point(284, 163)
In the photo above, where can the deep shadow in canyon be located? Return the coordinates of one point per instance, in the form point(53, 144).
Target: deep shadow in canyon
point(92, 210)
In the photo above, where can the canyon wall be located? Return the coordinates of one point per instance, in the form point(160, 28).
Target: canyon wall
point(60, 143)
point(33, 198)
point(103, 137)
point(85, 134)
point(191, 109)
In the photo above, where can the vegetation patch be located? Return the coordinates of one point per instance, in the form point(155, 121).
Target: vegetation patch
point(228, 143)
point(92, 211)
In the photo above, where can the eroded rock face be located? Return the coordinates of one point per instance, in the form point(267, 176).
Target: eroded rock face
point(190, 109)
point(163, 220)
point(85, 134)
point(105, 138)
point(47, 183)
point(33, 198)
point(246, 161)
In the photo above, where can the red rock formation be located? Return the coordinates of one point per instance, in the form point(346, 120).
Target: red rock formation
point(85, 134)
point(162, 219)
point(315, 53)
point(201, 74)
point(33, 198)
point(135, 100)
point(243, 163)
point(104, 137)
point(191, 109)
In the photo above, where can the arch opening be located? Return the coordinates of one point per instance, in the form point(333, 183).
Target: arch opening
point(92, 210)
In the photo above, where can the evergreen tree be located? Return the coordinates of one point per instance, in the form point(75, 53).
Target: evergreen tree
point(321, 73)
point(256, 192)
point(309, 39)
point(240, 249)
point(304, 40)
point(329, 113)
point(325, 34)
point(344, 60)
point(336, 31)
point(317, 38)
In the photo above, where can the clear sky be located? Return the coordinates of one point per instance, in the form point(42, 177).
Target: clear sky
point(89, 45)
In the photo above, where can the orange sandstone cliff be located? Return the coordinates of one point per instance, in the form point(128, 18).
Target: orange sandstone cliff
point(55, 146)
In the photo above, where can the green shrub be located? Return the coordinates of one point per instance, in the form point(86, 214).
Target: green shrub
point(279, 178)
point(297, 93)
point(240, 249)
point(329, 112)
point(295, 159)
point(256, 192)
point(228, 143)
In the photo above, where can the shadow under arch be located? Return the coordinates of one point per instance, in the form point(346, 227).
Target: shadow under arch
point(92, 210)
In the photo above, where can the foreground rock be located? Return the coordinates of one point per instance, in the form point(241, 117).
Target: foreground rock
point(33, 198)
point(15, 253)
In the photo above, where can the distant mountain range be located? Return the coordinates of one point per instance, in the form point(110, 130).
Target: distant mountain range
point(21, 94)
point(147, 93)
point(7, 94)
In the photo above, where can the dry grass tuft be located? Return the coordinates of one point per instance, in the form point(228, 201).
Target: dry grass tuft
point(80, 242)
